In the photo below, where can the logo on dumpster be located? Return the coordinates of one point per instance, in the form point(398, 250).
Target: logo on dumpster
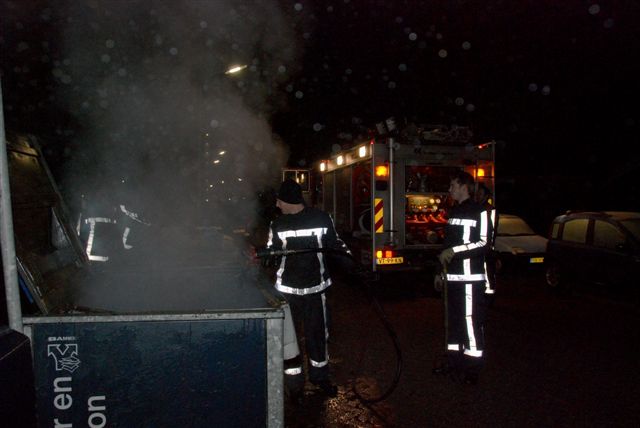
point(65, 356)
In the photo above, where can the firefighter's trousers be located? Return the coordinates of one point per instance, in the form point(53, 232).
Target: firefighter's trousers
point(466, 313)
point(311, 319)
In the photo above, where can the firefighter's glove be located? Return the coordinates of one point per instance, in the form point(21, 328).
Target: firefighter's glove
point(445, 256)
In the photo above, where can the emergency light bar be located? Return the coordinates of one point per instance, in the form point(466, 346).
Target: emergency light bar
point(348, 157)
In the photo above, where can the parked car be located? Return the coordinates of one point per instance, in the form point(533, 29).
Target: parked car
point(595, 247)
point(517, 245)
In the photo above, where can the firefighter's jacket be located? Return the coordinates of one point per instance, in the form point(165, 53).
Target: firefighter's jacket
point(467, 232)
point(490, 254)
point(106, 231)
point(304, 273)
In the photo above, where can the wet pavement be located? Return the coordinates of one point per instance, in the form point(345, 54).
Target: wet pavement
point(551, 361)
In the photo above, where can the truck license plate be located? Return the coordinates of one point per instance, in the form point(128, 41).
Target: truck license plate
point(536, 260)
point(390, 260)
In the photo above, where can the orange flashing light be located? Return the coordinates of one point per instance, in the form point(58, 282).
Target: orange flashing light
point(382, 171)
point(384, 253)
point(480, 172)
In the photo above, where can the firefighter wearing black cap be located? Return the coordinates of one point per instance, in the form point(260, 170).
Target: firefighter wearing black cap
point(303, 278)
point(466, 239)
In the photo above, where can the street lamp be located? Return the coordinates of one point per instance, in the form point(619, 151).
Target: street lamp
point(235, 69)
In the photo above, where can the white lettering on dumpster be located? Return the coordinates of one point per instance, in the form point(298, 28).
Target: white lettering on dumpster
point(97, 419)
point(62, 401)
point(65, 357)
point(58, 424)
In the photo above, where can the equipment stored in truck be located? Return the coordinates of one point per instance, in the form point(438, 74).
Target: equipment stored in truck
point(388, 194)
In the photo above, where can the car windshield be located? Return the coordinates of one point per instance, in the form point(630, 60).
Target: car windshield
point(510, 226)
point(633, 226)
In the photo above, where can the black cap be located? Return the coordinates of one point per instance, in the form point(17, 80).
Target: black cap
point(290, 192)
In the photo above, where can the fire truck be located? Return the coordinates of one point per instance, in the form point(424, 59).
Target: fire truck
point(388, 195)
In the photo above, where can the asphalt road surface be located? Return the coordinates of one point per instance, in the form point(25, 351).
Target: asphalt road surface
point(568, 359)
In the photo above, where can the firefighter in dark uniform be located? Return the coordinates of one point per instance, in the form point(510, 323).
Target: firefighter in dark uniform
point(466, 239)
point(109, 230)
point(483, 197)
point(303, 279)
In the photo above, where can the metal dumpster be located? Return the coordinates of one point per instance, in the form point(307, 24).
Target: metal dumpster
point(182, 332)
point(200, 361)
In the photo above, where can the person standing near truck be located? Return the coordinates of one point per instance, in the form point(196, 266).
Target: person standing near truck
point(466, 239)
point(303, 279)
point(483, 197)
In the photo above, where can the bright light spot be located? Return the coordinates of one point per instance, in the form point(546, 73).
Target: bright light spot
point(210, 185)
point(299, 95)
point(235, 69)
point(459, 101)
point(466, 46)
point(533, 87)
point(222, 152)
point(323, 166)
point(216, 161)
point(442, 53)
point(546, 90)
point(413, 36)
point(594, 9)
point(362, 151)
point(340, 160)
point(110, 44)
point(239, 179)
point(173, 51)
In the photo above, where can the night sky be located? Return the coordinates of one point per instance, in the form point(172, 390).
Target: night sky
point(555, 83)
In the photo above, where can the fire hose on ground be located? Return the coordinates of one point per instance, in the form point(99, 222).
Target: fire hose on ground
point(365, 279)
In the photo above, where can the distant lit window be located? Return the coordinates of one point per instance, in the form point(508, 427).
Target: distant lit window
point(300, 176)
point(606, 235)
point(576, 231)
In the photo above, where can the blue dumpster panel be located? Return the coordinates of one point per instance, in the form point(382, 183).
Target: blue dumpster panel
point(201, 373)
